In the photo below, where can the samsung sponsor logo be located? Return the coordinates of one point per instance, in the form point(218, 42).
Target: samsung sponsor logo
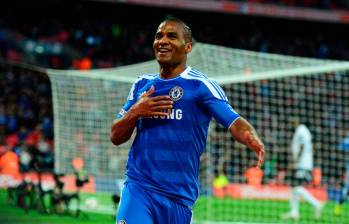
point(174, 114)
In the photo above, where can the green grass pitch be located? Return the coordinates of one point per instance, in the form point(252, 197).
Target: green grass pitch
point(221, 211)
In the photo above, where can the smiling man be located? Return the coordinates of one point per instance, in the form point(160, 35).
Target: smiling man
point(171, 112)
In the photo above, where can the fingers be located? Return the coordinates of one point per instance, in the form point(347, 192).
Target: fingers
point(162, 103)
point(162, 107)
point(163, 97)
point(153, 106)
point(159, 113)
point(156, 98)
point(256, 145)
point(260, 156)
point(149, 92)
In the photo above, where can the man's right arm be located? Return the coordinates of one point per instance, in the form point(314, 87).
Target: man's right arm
point(122, 128)
point(146, 106)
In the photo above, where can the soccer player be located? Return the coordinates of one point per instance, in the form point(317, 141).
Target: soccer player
point(302, 166)
point(171, 112)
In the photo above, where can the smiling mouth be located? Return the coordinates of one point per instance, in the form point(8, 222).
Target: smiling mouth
point(163, 50)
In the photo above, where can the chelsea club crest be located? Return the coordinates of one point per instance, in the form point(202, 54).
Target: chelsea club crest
point(176, 93)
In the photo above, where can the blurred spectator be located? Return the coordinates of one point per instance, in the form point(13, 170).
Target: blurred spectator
point(8, 162)
point(254, 176)
point(25, 158)
point(84, 41)
point(82, 64)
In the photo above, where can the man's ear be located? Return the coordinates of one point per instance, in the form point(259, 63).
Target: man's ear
point(188, 47)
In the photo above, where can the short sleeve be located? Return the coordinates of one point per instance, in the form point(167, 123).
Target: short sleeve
point(131, 100)
point(214, 99)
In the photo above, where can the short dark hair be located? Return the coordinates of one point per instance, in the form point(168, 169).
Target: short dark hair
point(188, 37)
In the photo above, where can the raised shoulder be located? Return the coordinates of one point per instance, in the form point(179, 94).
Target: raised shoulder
point(212, 86)
point(141, 80)
point(146, 77)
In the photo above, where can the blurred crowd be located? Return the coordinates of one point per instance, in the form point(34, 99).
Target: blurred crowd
point(102, 35)
point(322, 4)
point(26, 125)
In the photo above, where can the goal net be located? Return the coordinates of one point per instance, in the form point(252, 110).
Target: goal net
point(269, 90)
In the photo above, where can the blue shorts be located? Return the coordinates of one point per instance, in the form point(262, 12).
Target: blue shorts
point(138, 205)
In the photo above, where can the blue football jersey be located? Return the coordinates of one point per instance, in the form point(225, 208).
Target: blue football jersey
point(165, 154)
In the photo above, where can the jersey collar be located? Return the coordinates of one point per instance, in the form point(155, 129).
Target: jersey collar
point(185, 72)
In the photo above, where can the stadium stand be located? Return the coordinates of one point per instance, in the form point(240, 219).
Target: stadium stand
point(81, 41)
point(26, 125)
point(322, 4)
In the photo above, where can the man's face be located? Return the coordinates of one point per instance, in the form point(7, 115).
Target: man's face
point(169, 45)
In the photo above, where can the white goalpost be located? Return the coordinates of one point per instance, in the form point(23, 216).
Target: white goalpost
point(267, 89)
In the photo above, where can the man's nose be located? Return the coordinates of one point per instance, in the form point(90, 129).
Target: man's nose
point(163, 40)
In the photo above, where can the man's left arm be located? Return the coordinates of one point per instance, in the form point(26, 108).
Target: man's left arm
point(243, 132)
point(217, 103)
